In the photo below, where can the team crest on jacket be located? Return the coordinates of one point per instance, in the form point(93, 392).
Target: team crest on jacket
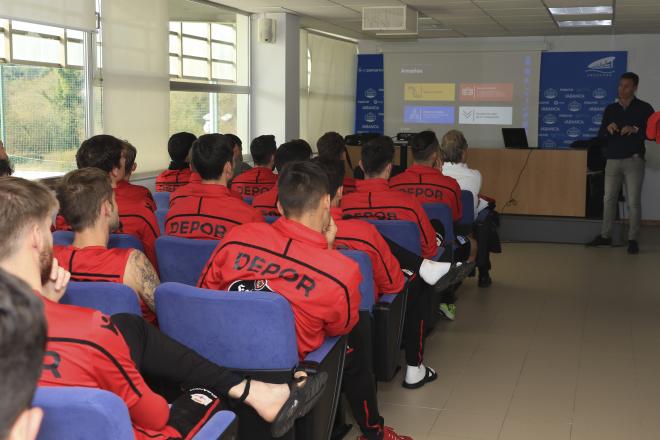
point(249, 286)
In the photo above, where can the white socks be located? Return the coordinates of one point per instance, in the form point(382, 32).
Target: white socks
point(415, 373)
point(431, 271)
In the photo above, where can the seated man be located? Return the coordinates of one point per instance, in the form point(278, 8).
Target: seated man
point(388, 273)
point(292, 151)
point(424, 179)
point(125, 189)
point(294, 258)
point(260, 178)
point(375, 199)
point(239, 166)
point(88, 204)
point(178, 172)
point(87, 348)
point(332, 145)
point(104, 152)
point(453, 149)
point(208, 210)
point(22, 344)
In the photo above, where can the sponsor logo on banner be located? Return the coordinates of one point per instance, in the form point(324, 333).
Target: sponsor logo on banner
point(573, 132)
point(485, 115)
point(370, 93)
point(603, 65)
point(599, 93)
point(550, 119)
point(597, 119)
point(549, 143)
point(550, 93)
point(574, 106)
point(370, 117)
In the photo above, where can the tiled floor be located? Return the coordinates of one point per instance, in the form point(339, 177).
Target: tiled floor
point(564, 345)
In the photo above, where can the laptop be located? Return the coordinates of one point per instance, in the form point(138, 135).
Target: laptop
point(514, 138)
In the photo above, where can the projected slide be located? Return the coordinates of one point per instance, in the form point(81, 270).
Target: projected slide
point(475, 92)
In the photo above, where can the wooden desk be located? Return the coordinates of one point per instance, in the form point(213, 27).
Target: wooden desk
point(553, 183)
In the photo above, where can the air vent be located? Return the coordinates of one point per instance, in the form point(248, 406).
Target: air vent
point(389, 19)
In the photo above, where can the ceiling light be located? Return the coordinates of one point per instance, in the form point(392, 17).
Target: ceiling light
point(582, 10)
point(584, 23)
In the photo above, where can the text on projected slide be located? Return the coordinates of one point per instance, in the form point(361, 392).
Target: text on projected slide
point(484, 92)
point(485, 115)
point(429, 92)
point(420, 114)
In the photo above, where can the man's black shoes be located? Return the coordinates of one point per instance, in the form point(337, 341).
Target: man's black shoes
point(600, 241)
point(633, 247)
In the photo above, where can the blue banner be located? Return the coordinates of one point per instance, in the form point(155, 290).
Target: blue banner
point(575, 89)
point(370, 95)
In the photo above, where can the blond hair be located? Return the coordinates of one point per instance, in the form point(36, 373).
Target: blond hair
point(453, 146)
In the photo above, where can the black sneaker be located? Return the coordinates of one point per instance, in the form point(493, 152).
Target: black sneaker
point(600, 241)
point(485, 280)
point(633, 247)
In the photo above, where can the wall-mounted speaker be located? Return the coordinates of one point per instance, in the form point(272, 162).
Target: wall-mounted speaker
point(266, 28)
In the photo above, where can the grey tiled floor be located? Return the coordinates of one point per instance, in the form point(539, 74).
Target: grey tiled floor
point(564, 345)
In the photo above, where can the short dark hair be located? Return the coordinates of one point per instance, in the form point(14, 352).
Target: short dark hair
point(22, 344)
point(300, 187)
point(101, 151)
point(331, 144)
point(6, 168)
point(235, 140)
point(23, 202)
point(210, 153)
point(179, 145)
point(81, 194)
point(631, 75)
point(294, 150)
point(377, 154)
point(423, 145)
point(130, 153)
point(262, 149)
point(335, 170)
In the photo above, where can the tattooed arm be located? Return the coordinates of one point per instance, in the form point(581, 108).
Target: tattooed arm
point(141, 276)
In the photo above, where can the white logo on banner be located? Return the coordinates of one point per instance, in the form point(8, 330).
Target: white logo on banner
point(602, 65)
point(573, 132)
point(599, 93)
point(574, 106)
point(370, 93)
point(550, 94)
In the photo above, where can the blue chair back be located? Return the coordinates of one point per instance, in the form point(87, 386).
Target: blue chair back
point(467, 200)
point(162, 200)
point(270, 219)
point(82, 413)
point(109, 298)
point(238, 330)
point(402, 232)
point(161, 215)
point(124, 241)
point(442, 212)
point(182, 260)
point(367, 293)
point(247, 199)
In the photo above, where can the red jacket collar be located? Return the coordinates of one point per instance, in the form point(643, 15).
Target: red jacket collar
point(372, 185)
point(205, 189)
point(299, 232)
point(423, 169)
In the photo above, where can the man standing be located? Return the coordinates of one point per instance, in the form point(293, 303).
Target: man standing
point(622, 129)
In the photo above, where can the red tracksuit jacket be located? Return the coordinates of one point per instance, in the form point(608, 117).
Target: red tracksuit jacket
point(429, 185)
point(137, 193)
point(266, 202)
point(349, 185)
point(85, 349)
point(375, 199)
point(287, 257)
point(206, 211)
point(363, 236)
point(254, 182)
point(170, 180)
point(97, 263)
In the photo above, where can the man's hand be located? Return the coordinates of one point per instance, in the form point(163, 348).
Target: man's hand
point(3, 152)
point(612, 128)
point(628, 130)
point(330, 232)
point(56, 285)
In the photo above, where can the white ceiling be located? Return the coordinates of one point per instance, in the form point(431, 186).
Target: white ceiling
point(465, 18)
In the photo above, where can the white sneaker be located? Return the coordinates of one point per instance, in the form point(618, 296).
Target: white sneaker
point(449, 310)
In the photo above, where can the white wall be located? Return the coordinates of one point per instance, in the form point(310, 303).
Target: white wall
point(275, 83)
point(642, 59)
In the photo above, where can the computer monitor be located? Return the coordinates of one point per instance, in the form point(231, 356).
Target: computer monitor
point(514, 138)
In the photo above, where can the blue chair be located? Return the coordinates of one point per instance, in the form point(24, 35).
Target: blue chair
point(162, 200)
point(443, 213)
point(124, 241)
point(182, 260)
point(255, 335)
point(270, 219)
point(161, 215)
point(72, 413)
point(109, 298)
point(247, 199)
point(402, 232)
point(467, 201)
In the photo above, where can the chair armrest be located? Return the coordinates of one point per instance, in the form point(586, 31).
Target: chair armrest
point(318, 355)
point(223, 425)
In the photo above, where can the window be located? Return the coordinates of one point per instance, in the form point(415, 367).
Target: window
point(208, 53)
point(42, 96)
